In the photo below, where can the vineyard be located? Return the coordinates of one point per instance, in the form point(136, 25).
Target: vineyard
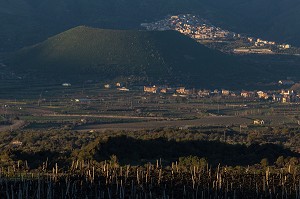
point(183, 179)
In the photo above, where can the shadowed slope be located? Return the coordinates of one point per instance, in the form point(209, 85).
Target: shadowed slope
point(112, 53)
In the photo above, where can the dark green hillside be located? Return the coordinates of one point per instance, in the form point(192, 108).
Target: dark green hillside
point(100, 53)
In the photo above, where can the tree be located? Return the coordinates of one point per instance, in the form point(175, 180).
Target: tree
point(280, 161)
point(114, 161)
point(264, 162)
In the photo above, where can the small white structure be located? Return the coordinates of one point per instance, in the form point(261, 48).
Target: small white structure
point(123, 89)
point(66, 84)
point(286, 82)
point(107, 86)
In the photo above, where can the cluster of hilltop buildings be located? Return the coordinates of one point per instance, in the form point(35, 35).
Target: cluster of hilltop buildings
point(283, 96)
point(192, 26)
point(201, 30)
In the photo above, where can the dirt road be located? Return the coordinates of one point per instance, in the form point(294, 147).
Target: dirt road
point(212, 120)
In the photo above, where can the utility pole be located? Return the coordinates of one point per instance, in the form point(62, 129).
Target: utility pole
point(82, 88)
point(218, 101)
point(131, 104)
point(40, 98)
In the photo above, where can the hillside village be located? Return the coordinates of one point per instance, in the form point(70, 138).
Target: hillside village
point(191, 25)
point(204, 32)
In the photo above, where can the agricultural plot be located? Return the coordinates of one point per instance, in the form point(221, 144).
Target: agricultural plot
point(95, 108)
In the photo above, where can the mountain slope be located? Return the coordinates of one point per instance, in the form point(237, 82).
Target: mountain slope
point(111, 53)
point(26, 22)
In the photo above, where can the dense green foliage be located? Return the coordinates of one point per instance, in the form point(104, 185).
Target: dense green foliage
point(129, 150)
point(140, 147)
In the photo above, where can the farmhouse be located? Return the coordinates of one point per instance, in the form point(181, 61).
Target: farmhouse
point(288, 96)
point(181, 90)
point(150, 89)
point(225, 92)
point(247, 94)
point(184, 91)
point(258, 122)
point(262, 95)
point(204, 93)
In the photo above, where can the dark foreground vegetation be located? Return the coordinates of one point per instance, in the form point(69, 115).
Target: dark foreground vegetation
point(189, 177)
point(139, 148)
point(143, 165)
